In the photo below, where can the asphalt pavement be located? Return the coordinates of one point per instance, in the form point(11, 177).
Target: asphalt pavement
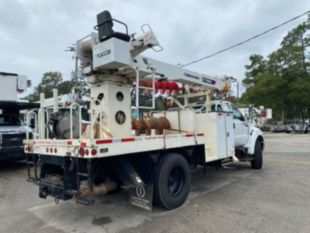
point(233, 199)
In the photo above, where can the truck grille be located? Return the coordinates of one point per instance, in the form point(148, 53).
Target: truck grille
point(13, 139)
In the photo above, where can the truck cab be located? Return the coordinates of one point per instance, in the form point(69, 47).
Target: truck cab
point(241, 125)
point(12, 129)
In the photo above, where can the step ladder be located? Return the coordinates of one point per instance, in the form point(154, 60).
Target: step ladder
point(32, 163)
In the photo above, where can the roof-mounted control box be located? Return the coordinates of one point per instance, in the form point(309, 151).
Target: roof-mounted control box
point(111, 54)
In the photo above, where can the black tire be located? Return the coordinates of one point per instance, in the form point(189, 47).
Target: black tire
point(257, 162)
point(172, 181)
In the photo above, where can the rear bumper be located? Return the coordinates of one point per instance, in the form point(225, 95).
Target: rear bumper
point(57, 179)
point(58, 191)
point(10, 154)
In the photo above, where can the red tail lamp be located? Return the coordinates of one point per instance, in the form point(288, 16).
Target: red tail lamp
point(87, 152)
point(93, 152)
point(82, 152)
point(28, 149)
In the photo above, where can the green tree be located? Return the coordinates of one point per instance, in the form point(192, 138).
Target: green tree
point(256, 67)
point(282, 80)
point(49, 81)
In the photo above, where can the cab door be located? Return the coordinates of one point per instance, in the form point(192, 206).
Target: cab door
point(241, 128)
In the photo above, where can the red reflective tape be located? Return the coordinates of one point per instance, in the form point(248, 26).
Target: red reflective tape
point(83, 144)
point(69, 142)
point(104, 141)
point(200, 134)
point(128, 139)
point(189, 135)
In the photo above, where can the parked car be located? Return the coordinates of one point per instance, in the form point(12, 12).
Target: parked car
point(297, 127)
point(278, 127)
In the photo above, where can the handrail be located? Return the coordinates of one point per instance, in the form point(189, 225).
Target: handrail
point(138, 87)
point(71, 118)
point(29, 113)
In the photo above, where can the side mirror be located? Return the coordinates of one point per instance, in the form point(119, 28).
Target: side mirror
point(241, 118)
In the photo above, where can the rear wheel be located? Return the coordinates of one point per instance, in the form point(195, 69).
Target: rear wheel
point(257, 162)
point(171, 181)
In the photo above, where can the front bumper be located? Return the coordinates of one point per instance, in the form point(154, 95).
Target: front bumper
point(12, 153)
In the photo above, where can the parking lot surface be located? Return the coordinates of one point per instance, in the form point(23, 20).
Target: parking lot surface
point(232, 199)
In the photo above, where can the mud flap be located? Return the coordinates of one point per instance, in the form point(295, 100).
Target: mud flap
point(141, 196)
point(140, 189)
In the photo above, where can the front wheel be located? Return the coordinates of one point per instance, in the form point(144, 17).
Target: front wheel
point(171, 181)
point(257, 162)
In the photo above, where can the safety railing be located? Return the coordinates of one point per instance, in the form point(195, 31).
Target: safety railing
point(71, 120)
point(42, 116)
point(151, 89)
point(28, 123)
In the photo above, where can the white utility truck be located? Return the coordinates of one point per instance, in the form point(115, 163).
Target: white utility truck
point(12, 129)
point(150, 156)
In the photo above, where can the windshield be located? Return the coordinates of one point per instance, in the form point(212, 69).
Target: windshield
point(10, 120)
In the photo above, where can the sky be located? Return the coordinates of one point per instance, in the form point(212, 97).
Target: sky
point(35, 33)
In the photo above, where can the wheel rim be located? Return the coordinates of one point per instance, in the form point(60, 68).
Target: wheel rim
point(176, 181)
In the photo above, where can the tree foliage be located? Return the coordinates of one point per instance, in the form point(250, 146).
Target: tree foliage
point(282, 80)
point(49, 81)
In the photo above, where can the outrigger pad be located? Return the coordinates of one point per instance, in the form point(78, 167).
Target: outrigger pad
point(141, 196)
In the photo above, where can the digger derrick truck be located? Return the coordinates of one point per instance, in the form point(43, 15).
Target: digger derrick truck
point(151, 156)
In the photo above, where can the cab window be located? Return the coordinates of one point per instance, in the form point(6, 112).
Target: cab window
point(237, 114)
point(216, 108)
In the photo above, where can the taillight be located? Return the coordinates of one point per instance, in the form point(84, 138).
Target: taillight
point(87, 152)
point(47, 150)
point(28, 149)
point(55, 150)
point(82, 151)
point(93, 152)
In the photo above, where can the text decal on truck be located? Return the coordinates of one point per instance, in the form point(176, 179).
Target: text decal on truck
point(104, 53)
point(206, 80)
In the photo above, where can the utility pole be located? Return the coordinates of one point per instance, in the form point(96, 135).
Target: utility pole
point(74, 73)
point(237, 90)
